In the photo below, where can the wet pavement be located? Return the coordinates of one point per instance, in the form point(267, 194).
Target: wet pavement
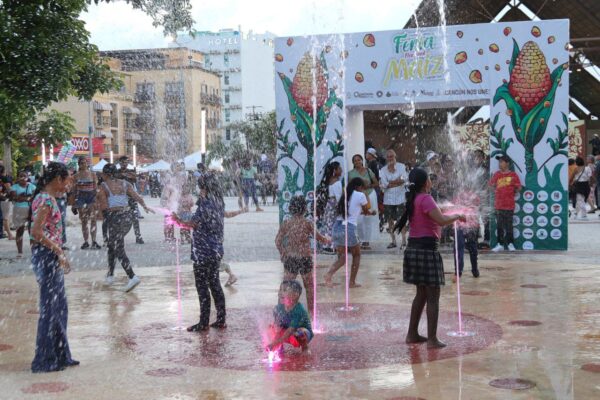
point(534, 317)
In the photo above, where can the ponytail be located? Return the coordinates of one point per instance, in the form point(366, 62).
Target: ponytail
point(323, 188)
point(417, 179)
point(344, 202)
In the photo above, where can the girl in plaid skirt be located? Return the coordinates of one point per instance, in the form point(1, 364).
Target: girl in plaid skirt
point(423, 265)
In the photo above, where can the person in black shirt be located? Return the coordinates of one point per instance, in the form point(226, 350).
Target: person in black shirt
point(130, 175)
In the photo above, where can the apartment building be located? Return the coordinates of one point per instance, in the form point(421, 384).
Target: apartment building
point(245, 63)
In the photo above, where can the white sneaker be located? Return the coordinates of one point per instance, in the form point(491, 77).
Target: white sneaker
point(498, 248)
point(133, 282)
point(109, 280)
point(511, 247)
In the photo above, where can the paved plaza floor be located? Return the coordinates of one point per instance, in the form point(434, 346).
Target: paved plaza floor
point(534, 320)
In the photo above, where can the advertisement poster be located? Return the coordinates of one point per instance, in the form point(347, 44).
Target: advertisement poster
point(515, 67)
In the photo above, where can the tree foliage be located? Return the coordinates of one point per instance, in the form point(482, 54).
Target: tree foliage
point(172, 15)
point(46, 55)
point(261, 133)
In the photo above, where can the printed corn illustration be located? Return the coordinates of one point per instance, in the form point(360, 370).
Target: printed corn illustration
point(310, 101)
point(530, 77)
point(529, 97)
point(306, 81)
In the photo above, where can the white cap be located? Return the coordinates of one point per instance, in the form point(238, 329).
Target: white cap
point(431, 154)
point(372, 151)
point(263, 157)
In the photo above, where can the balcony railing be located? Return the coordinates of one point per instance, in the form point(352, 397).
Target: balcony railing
point(210, 99)
point(144, 97)
point(174, 97)
point(114, 122)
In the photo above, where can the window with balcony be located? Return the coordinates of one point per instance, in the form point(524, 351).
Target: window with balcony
point(226, 59)
point(144, 92)
point(227, 116)
point(226, 98)
point(228, 134)
point(226, 79)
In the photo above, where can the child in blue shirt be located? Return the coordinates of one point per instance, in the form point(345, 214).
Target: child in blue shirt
point(291, 321)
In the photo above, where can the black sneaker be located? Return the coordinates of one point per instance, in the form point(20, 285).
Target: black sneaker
point(96, 246)
point(84, 246)
point(476, 273)
point(139, 240)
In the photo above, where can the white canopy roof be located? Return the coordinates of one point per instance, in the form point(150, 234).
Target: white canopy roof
point(191, 161)
point(98, 167)
point(160, 165)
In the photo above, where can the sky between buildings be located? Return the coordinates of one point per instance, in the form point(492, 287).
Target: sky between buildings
point(117, 25)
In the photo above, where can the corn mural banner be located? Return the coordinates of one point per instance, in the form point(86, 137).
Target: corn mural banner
point(519, 68)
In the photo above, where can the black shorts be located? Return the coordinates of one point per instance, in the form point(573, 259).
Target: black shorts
point(393, 212)
point(298, 265)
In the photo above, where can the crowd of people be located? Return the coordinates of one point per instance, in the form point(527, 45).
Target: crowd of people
point(414, 203)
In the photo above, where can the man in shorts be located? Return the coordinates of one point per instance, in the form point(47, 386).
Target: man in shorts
point(392, 181)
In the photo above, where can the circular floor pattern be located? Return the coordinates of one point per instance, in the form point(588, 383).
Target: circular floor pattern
point(512, 383)
point(406, 398)
point(45, 387)
point(322, 284)
point(525, 322)
point(4, 347)
point(370, 337)
point(591, 367)
point(387, 278)
point(166, 372)
point(475, 293)
point(8, 291)
point(533, 286)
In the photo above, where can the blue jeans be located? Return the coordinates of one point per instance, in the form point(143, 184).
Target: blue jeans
point(466, 239)
point(52, 351)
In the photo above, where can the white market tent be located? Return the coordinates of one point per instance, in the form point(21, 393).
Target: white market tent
point(98, 167)
point(191, 161)
point(160, 165)
point(138, 168)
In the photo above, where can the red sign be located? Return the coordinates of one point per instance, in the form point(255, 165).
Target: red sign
point(82, 145)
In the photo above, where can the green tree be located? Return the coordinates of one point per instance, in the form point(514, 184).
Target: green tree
point(172, 15)
point(45, 56)
point(260, 133)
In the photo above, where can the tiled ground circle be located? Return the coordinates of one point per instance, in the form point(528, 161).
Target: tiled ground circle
point(45, 387)
point(591, 367)
point(525, 322)
point(346, 343)
point(533, 286)
point(4, 347)
point(512, 383)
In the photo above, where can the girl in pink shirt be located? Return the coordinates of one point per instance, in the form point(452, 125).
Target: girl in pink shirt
point(423, 264)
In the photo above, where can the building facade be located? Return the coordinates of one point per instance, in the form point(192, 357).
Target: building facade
point(166, 102)
point(245, 63)
point(176, 98)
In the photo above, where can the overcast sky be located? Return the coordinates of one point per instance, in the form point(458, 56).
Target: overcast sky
point(117, 26)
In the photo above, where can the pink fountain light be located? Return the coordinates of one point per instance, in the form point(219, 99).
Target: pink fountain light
point(460, 332)
point(179, 326)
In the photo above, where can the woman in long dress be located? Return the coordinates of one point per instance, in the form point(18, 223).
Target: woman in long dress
point(367, 223)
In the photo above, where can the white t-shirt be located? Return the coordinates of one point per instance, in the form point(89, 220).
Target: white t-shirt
point(357, 200)
point(396, 195)
point(335, 190)
point(585, 175)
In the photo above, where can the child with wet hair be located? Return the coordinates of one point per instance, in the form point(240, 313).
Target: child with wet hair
point(293, 243)
point(291, 321)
